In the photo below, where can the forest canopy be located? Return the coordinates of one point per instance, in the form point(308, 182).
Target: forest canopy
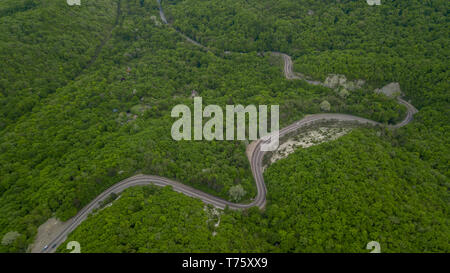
point(86, 93)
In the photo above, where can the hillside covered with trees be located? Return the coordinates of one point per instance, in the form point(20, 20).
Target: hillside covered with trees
point(86, 93)
point(334, 197)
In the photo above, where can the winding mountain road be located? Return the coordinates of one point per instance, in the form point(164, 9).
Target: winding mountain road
point(254, 153)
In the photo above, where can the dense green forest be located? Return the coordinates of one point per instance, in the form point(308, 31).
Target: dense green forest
point(398, 41)
point(86, 95)
point(151, 219)
point(43, 46)
point(404, 41)
point(334, 197)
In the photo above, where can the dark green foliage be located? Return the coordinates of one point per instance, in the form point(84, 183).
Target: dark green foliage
point(151, 220)
point(109, 200)
point(338, 196)
point(334, 197)
point(45, 44)
point(404, 41)
point(74, 120)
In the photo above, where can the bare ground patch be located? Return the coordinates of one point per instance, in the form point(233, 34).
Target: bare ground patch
point(46, 233)
point(311, 137)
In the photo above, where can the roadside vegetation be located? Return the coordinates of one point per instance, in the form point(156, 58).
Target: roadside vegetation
point(333, 197)
point(82, 110)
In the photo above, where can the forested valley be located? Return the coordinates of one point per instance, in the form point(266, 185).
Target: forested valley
point(334, 197)
point(86, 94)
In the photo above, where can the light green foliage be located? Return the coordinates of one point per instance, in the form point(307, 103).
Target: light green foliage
point(45, 44)
point(325, 106)
point(68, 129)
point(236, 193)
point(343, 93)
point(338, 196)
point(334, 197)
point(10, 237)
point(151, 220)
point(138, 109)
